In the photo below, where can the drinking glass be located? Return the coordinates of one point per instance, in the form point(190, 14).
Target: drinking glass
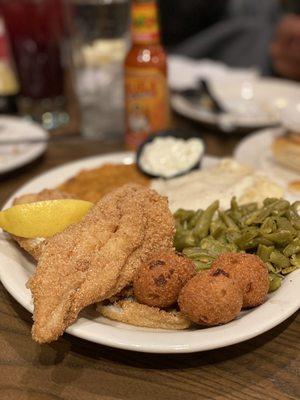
point(38, 33)
point(100, 41)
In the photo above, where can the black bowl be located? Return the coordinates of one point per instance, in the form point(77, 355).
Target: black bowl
point(180, 134)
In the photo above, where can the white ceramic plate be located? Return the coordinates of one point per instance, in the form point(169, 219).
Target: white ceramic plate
point(251, 104)
point(16, 268)
point(13, 156)
point(255, 151)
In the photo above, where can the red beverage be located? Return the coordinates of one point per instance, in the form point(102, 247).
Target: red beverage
point(37, 32)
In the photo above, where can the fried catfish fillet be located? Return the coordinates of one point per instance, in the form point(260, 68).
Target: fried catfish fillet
point(96, 258)
point(34, 246)
point(133, 313)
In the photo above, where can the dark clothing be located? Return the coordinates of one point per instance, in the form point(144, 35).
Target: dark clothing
point(238, 34)
point(181, 19)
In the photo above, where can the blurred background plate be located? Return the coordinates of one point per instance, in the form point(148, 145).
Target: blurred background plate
point(253, 103)
point(13, 156)
point(256, 151)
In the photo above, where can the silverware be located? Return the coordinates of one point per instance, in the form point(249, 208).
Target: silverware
point(202, 90)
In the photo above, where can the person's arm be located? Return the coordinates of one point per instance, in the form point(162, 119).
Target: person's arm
point(285, 48)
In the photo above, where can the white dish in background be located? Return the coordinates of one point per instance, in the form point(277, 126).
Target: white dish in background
point(16, 268)
point(251, 103)
point(255, 151)
point(13, 156)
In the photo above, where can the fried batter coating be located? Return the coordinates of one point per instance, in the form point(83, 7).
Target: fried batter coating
point(159, 280)
point(211, 298)
point(93, 184)
point(249, 272)
point(133, 313)
point(97, 257)
point(34, 246)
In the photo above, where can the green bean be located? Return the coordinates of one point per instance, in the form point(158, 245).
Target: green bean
point(232, 235)
point(200, 266)
point(295, 221)
point(264, 252)
point(234, 205)
point(214, 247)
point(270, 267)
point(202, 228)
point(279, 259)
point(296, 207)
point(284, 224)
point(246, 237)
point(262, 240)
point(288, 270)
point(280, 208)
point(228, 221)
point(271, 231)
point(275, 282)
point(268, 226)
point(196, 253)
point(183, 239)
point(295, 260)
point(258, 216)
point(269, 200)
point(248, 208)
point(216, 228)
point(292, 248)
point(182, 214)
point(281, 237)
point(195, 218)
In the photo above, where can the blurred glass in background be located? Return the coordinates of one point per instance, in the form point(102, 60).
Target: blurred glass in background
point(39, 36)
point(100, 42)
point(9, 86)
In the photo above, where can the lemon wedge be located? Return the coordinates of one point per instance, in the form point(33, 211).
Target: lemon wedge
point(43, 218)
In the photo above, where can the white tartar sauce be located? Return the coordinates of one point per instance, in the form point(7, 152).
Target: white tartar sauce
point(168, 156)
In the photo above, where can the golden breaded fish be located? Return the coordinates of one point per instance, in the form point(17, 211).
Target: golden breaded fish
point(134, 313)
point(96, 258)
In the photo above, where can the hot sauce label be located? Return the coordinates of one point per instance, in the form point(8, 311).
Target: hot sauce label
point(144, 23)
point(147, 104)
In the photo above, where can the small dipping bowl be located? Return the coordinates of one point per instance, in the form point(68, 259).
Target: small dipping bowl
point(176, 134)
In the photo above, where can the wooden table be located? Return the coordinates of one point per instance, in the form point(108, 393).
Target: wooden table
point(267, 367)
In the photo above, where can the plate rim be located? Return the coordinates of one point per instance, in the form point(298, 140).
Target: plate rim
point(121, 337)
point(26, 158)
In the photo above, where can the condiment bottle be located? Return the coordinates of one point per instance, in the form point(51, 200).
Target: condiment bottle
point(9, 87)
point(146, 87)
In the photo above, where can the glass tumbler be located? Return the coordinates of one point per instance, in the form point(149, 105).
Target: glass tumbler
point(39, 35)
point(100, 41)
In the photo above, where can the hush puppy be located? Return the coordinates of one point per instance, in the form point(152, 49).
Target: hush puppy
point(249, 272)
point(158, 281)
point(211, 298)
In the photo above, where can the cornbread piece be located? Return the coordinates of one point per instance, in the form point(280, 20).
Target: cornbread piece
point(211, 298)
point(249, 272)
point(159, 280)
point(133, 313)
point(96, 258)
point(92, 184)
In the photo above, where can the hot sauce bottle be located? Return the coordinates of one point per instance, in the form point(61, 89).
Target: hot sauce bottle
point(146, 88)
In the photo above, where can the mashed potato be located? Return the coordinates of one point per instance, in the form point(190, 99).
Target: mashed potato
point(229, 178)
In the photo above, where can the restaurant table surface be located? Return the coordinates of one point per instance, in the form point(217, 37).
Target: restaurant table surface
point(266, 367)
